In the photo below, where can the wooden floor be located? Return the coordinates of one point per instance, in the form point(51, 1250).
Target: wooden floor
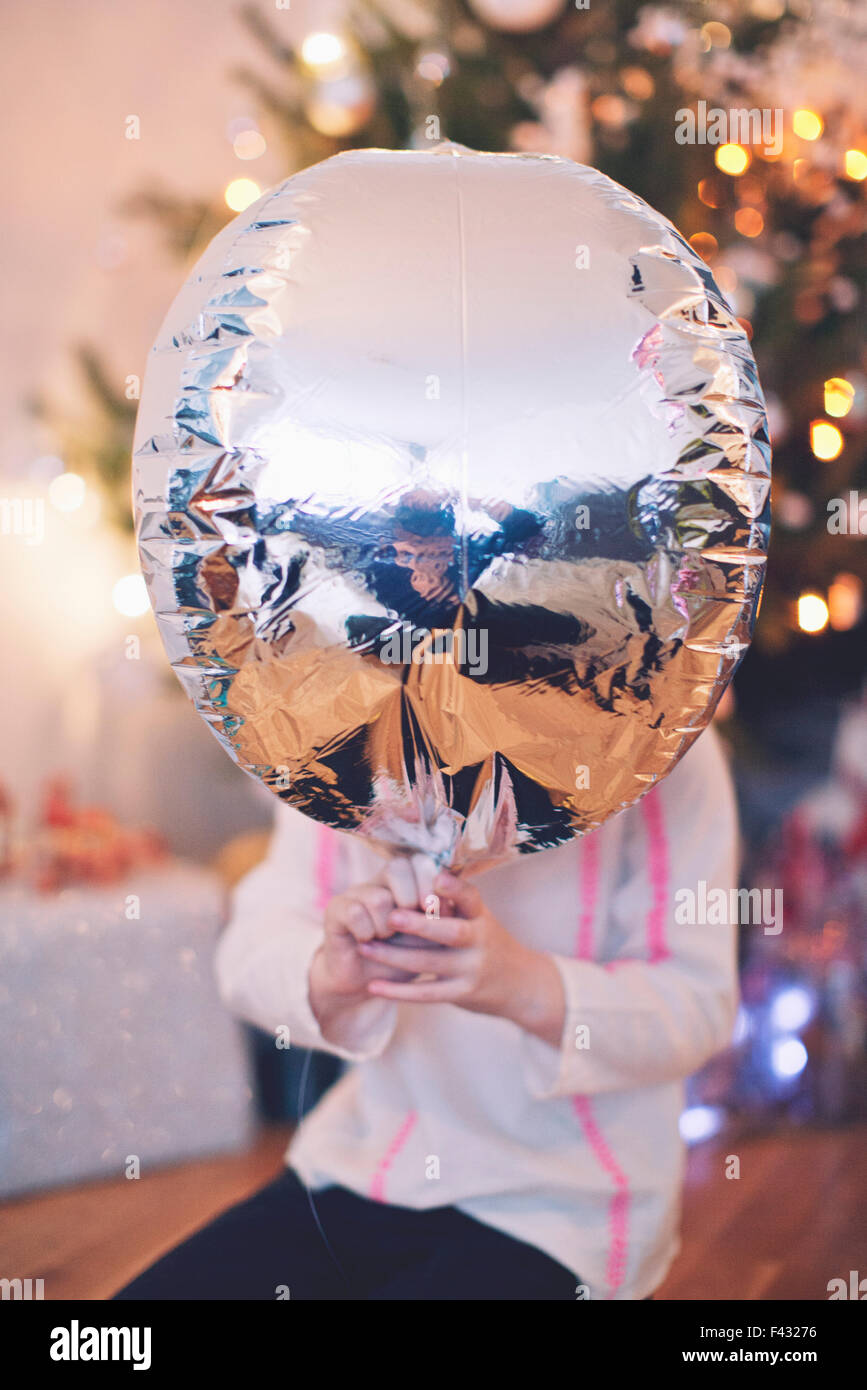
point(795, 1218)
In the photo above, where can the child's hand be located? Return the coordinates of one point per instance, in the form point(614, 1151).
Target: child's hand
point(339, 973)
point(484, 968)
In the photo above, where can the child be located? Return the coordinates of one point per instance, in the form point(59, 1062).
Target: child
point(510, 1127)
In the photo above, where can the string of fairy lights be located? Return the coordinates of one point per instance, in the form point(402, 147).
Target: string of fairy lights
point(330, 62)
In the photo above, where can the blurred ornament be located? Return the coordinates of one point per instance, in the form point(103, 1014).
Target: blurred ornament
point(466, 589)
point(517, 16)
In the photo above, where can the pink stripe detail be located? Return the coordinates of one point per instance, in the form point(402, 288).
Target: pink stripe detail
point(589, 896)
point(658, 869)
point(377, 1185)
point(618, 1213)
point(326, 858)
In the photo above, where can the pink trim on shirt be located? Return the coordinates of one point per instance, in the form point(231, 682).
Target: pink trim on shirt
point(326, 858)
point(658, 872)
point(377, 1184)
point(618, 1211)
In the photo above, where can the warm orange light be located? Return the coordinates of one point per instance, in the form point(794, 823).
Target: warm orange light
point(637, 83)
point(709, 193)
point(812, 613)
point(855, 164)
point(704, 243)
point(732, 159)
point(715, 35)
point(826, 441)
point(609, 109)
point(749, 221)
point(839, 395)
point(807, 124)
point(845, 602)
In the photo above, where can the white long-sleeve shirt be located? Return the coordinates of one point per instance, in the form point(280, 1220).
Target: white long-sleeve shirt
point(573, 1149)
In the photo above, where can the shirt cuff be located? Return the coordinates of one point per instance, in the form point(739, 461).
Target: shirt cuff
point(548, 1069)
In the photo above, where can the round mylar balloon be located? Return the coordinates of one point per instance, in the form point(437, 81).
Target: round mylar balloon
point(451, 480)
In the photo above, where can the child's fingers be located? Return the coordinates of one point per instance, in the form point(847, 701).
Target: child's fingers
point(465, 899)
point(363, 913)
point(432, 992)
point(425, 871)
point(400, 879)
point(446, 931)
point(416, 960)
point(379, 904)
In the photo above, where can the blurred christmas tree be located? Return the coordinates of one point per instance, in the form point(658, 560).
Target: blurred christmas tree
point(782, 222)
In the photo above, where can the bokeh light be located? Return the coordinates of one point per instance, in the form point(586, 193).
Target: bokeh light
point(807, 124)
point(812, 613)
point(67, 493)
point(732, 159)
point(855, 165)
point(241, 193)
point(322, 50)
point(249, 144)
point(826, 440)
point(749, 222)
point(839, 395)
point(130, 596)
point(788, 1057)
point(845, 602)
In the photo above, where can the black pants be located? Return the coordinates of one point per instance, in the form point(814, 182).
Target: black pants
point(270, 1247)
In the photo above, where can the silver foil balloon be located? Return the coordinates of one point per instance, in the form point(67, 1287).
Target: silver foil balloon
point(452, 475)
